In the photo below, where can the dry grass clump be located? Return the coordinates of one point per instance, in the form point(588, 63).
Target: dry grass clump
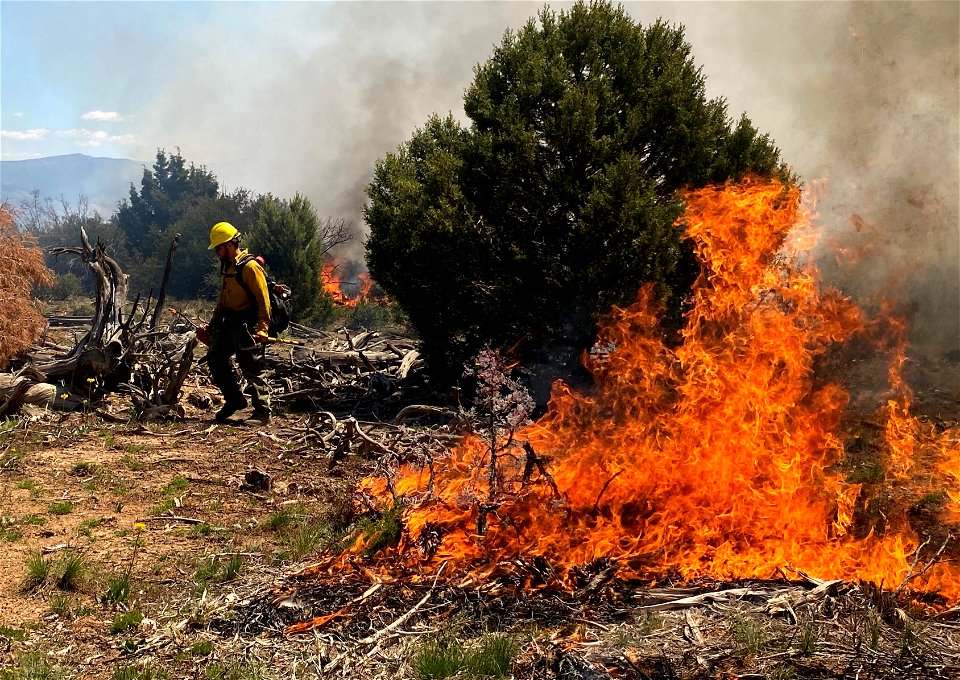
point(21, 321)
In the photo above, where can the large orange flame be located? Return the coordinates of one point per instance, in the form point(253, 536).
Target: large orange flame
point(717, 458)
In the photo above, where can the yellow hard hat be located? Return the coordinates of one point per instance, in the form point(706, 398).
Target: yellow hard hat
point(221, 233)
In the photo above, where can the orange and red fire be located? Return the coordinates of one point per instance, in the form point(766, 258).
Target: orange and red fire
point(718, 457)
point(334, 285)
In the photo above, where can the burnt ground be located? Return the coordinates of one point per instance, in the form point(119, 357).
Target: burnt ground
point(172, 508)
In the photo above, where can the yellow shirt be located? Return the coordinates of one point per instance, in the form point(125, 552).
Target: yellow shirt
point(233, 296)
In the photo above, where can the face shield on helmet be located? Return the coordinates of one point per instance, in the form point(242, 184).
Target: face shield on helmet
point(221, 233)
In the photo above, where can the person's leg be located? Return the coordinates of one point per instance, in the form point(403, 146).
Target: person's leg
point(251, 366)
point(222, 347)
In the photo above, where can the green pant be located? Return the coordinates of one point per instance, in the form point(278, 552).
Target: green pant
point(229, 335)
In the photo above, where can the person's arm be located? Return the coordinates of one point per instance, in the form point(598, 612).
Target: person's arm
point(204, 329)
point(256, 281)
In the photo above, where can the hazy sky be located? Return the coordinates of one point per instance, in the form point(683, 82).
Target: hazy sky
point(305, 96)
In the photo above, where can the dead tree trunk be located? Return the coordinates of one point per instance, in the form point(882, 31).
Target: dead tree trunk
point(115, 354)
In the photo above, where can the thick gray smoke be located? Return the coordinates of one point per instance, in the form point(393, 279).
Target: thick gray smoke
point(862, 99)
point(889, 154)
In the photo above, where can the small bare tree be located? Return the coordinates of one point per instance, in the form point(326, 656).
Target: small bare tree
point(501, 407)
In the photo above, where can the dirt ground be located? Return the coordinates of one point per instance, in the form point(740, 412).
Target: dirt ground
point(167, 504)
point(180, 511)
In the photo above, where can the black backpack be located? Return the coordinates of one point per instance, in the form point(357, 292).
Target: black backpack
point(279, 298)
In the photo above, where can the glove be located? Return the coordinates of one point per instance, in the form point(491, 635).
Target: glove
point(261, 337)
point(203, 333)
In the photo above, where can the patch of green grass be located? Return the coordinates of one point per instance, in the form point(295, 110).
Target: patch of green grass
point(12, 633)
point(140, 672)
point(72, 568)
point(381, 532)
point(281, 519)
point(38, 572)
point(60, 508)
point(868, 471)
point(233, 671)
point(87, 526)
point(131, 462)
point(161, 508)
point(84, 469)
point(132, 450)
point(7, 428)
point(809, 637)
point(35, 520)
point(493, 657)
point(126, 621)
point(931, 503)
point(438, 658)
point(28, 485)
point(211, 569)
point(231, 568)
point(200, 530)
point(118, 589)
point(871, 626)
point(302, 533)
point(31, 666)
point(60, 604)
point(749, 635)
point(8, 530)
point(205, 571)
point(630, 635)
point(10, 458)
point(204, 648)
point(176, 485)
point(303, 538)
point(913, 636)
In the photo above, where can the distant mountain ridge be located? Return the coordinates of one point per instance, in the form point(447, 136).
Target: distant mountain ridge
point(103, 181)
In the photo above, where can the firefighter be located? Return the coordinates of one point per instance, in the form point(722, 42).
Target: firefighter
point(238, 327)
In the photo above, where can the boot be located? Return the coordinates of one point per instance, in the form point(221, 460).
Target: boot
point(229, 408)
point(259, 417)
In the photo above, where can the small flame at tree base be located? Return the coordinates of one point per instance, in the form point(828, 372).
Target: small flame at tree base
point(334, 285)
point(718, 458)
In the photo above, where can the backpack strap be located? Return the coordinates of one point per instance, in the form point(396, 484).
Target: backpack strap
point(241, 263)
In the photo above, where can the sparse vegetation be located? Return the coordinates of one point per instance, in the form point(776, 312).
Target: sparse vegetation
point(60, 604)
point(125, 621)
point(748, 635)
point(118, 589)
point(132, 463)
point(234, 671)
point(60, 508)
point(73, 568)
point(8, 530)
point(83, 469)
point(140, 672)
point(31, 666)
point(438, 658)
point(38, 571)
point(88, 525)
point(381, 531)
point(445, 657)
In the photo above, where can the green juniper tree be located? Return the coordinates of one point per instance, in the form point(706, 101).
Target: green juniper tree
point(176, 198)
point(559, 200)
point(295, 242)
